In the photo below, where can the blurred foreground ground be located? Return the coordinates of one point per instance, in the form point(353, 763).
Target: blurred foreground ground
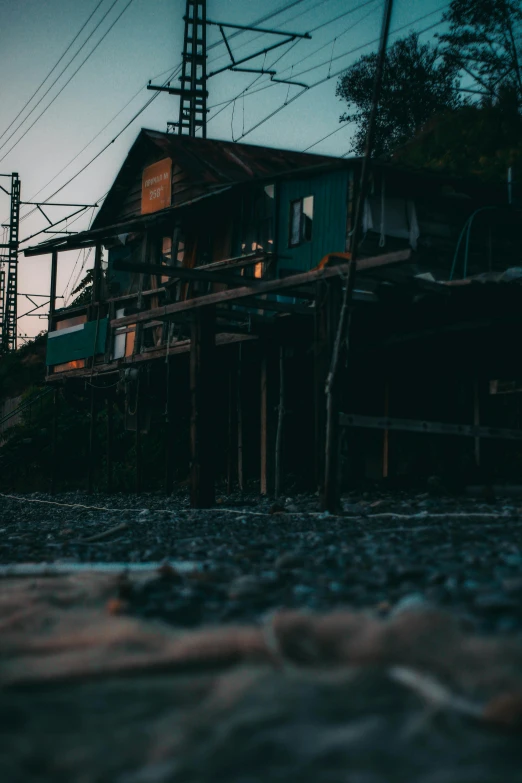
point(203, 670)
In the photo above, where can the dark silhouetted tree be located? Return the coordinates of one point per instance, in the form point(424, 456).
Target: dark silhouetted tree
point(418, 83)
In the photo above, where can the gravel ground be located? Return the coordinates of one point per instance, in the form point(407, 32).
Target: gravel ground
point(253, 556)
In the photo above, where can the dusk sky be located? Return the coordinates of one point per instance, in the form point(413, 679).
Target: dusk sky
point(146, 43)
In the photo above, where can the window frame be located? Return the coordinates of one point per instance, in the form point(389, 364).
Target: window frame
point(302, 239)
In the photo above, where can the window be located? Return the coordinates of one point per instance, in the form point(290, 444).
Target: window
point(301, 220)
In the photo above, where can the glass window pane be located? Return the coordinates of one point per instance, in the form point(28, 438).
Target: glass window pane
point(308, 216)
point(295, 223)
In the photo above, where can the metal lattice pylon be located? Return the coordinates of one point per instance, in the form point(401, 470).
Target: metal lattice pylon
point(193, 101)
point(10, 282)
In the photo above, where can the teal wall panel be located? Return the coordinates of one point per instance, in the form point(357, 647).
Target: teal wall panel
point(330, 192)
point(79, 344)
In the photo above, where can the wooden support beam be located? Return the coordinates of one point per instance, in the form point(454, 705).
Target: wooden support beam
point(239, 401)
point(320, 375)
point(427, 427)
point(92, 433)
point(169, 425)
point(96, 285)
point(202, 364)
point(476, 419)
point(138, 464)
point(269, 372)
point(109, 447)
point(54, 457)
point(386, 433)
point(270, 286)
point(52, 295)
point(280, 424)
point(339, 319)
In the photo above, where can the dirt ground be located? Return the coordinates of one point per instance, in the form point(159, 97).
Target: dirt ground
point(141, 641)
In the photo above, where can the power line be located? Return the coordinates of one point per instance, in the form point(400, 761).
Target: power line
point(310, 54)
point(82, 28)
point(338, 73)
point(340, 56)
point(345, 125)
point(68, 81)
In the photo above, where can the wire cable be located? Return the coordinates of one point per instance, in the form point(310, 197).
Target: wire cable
point(323, 80)
point(55, 66)
point(129, 3)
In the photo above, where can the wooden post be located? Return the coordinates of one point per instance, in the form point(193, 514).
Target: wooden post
point(386, 434)
point(267, 433)
point(52, 294)
point(168, 426)
point(280, 422)
point(110, 422)
point(339, 319)
point(476, 419)
point(232, 424)
point(55, 442)
point(138, 438)
point(92, 427)
point(96, 284)
point(202, 454)
point(320, 375)
point(240, 473)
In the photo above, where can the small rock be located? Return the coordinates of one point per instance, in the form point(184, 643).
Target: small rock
point(244, 587)
point(494, 602)
point(288, 560)
point(409, 603)
point(302, 590)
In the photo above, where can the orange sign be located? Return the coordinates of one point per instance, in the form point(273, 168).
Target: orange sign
point(156, 186)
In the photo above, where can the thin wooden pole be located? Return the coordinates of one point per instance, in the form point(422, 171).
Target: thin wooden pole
point(52, 294)
point(92, 427)
point(231, 422)
point(476, 419)
point(202, 420)
point(168, 428)
point(386, 434)
point(370, 134)
point(240, 473)
point(138, 438)
point(110, 425)
point(339, 321)
point(55, 442)
point(320, 375)
point(280, 422)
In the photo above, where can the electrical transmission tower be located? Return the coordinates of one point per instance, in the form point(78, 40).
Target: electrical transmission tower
point(9, 281)
point(193, 92)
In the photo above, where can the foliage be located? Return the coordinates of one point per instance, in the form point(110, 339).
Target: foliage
point(84, 290)
point(417, 84)
point(23, 368)
point(473, 140)
point(484, 42)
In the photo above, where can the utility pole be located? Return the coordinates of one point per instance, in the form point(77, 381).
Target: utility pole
point(9, 284)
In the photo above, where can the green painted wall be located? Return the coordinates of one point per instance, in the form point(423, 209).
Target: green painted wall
point(80, 344)
point(330, 192)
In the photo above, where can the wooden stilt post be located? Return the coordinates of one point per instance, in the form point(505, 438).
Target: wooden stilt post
point(52, 295)
point(339, 319)
point(168, 429)
point(320, 375)
point(110, 423)
point(476, 419)
point(267, 434)
point(239, 386)
point(202, 454)
point(92, 428)
point(138, 438)
point(386, 433)
point(55, 442)
point(232, 424)
point(280, 423)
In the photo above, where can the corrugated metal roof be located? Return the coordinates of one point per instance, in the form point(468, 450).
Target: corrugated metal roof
point(226, 162)
point(208, 163)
